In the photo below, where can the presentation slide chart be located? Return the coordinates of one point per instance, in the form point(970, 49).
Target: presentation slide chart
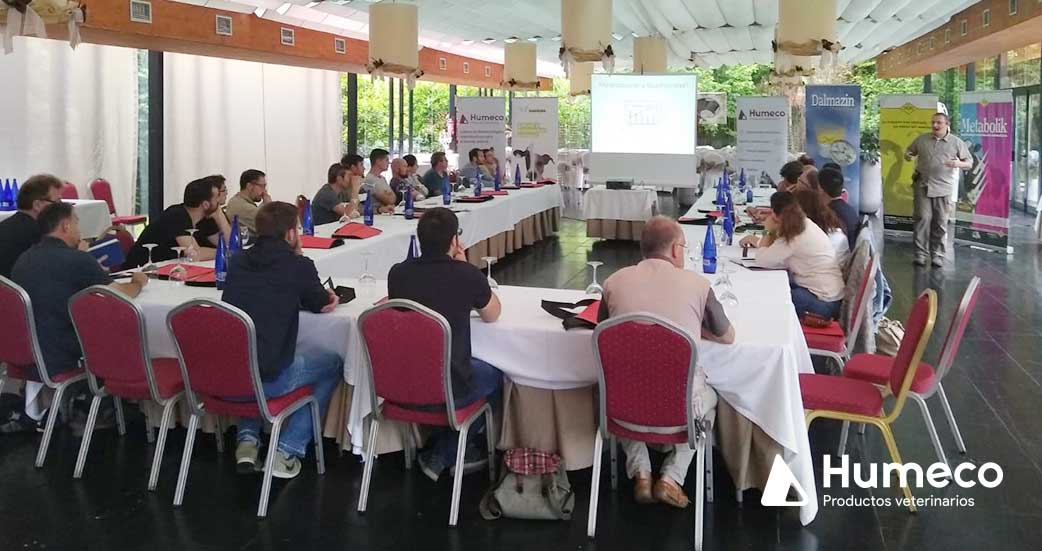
point(763, 136)
point(653, 114)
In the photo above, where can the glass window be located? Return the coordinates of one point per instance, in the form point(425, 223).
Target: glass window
point(1021, 67)
point(949, 85)
point(984, 71)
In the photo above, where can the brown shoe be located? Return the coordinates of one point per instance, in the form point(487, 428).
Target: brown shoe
point(642, 489)
point(668, 492)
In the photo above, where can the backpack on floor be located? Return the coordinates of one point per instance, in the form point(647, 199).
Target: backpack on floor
point(533, 486)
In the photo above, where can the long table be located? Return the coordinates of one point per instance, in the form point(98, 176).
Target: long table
point(94, 216)
point(704, 205)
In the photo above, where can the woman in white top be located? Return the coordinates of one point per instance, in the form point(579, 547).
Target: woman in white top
point(815, 205)
point(799, 246)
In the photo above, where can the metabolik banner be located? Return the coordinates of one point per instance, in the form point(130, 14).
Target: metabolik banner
point(833, 117)
point(763, 135)
point(982, 213)
point(902, 118)
point(534, 138)
point(481, 122)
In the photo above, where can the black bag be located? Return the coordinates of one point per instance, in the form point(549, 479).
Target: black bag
point(585, 318)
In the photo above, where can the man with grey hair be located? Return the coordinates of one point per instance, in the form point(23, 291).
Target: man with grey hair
point(939, 156)
point(659, 285)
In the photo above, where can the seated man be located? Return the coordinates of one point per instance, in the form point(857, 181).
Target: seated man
point(207, 228)
point(402, 179)
point(20, 230)
point(51, 272)
point(201, 201)
point(660, 285)
point(253, 188)
point(442, 280)
point(790, 173)
point(472, 170)
point(487, 164)
point(419, 190)
point(437, 175)
point(336, 199)
point(355, 166)
point(272, 281)
point(384, 198)
point(831, 182)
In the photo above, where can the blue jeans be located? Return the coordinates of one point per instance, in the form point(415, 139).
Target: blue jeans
point(486, 382)
point(806, 301)
point(322, 372)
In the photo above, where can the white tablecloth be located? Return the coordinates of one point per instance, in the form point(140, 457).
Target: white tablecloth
point(704, 204)
point(479, 221)
point(94, 216)
point(634, 205)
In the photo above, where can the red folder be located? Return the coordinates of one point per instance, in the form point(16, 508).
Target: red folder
point(356, 231)
point(831, 330)
point(472, 199)
point(590, 313)
point(529, 185)
point(312, 242)
point(547, 182)
point(492, 192)
point(193, 271)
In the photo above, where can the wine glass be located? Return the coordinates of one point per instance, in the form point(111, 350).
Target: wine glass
point(151, 266)
point(594, 288)
point(191, 233)
point(367, 280)
point(489, 261)
point(178, 274)
point(727, 296)
point(694, 256)
point(244, 235)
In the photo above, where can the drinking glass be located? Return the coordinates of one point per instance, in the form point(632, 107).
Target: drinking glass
point(594, 288)
point(191, 232)
point(179, 273)
point(694, 256)
point(367, 280)
point(727, 295)
point(151, 266)
point(244, 234)
point(489, 261)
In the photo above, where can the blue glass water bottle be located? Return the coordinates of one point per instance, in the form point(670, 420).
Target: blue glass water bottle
point(749, 195)
point(709, 250)
point(728, 227)
point(220, 265)
point(234, 245)
point(409, 209)
point(14, 194)
point(414, 248)
point(497, 180)
point(5, 195)
point(308, 222)
point(446, 191)
point(367, 210)
point(477, 186)
point(517, 175)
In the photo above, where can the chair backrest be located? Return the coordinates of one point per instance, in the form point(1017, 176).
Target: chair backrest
point(102, 191)
point(111, 331)
point(958, 327)
point(918, 329)
point(18, 343)
point(646, 367)
point(413, 375)
point(126, 240)
point(861, 301)
point(69, 191)
point(217, 349)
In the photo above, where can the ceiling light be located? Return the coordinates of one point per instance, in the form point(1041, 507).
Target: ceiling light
point(489, 40)
point(556, 38)
point(635, 35)
point(535, 38)
point(510, 40)
point(616, 36)
point(259, 12)
point(468, 42)
point(281, 10)
point(312, 4)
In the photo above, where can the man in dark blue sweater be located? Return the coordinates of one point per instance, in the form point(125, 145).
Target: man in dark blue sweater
point(272, 282)
point(831, 182)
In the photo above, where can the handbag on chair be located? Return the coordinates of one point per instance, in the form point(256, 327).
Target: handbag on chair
point(533, 486)
point(889, 336)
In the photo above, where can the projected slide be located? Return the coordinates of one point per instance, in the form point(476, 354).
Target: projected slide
point(644, 114)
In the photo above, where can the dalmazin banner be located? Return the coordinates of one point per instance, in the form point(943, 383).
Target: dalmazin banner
point(982, 213)
point(833, 117)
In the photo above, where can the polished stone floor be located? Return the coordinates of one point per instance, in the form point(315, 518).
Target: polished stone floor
point(995, 389)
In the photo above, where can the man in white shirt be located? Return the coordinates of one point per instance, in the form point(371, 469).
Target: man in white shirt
point(375, 183)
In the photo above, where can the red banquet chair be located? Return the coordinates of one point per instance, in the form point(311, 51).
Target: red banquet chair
point(217, 351)
point(20, 356)
point(69, 191)
point(417, 375)
point(127, 370)
point(876, 368)
point(640, 358)
point(834, 341)
point(102, 191)
point(854, 401)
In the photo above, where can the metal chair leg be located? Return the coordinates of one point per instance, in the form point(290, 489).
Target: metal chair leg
point(186, 460)
point(613, 450)
point(88, 431)
point(951, 418)
point(842, 450)
point(490, 434)
point(157, 455)
point(700, 481)
point(121, 422)
point(595, 484)
point(218, 434)
point(370, 458)
point(149, 436)
point(891, 445)
point(861, 429)
point(320, 453)
point(709, 465)
point(408, 449)
point(457, 478)
point(930, 428)
point(269, 466)
point(48, 431)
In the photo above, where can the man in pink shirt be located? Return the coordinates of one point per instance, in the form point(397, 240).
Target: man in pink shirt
point(659, 285)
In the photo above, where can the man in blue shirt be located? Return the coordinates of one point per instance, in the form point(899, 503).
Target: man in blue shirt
point(831, 182)
point(272, 281)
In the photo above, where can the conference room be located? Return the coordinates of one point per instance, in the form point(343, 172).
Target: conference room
point(615, 274)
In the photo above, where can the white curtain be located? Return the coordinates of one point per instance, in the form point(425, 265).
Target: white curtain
point(225, 116)
point(72, 113)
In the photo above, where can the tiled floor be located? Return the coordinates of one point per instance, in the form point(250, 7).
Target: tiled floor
point(995, 389)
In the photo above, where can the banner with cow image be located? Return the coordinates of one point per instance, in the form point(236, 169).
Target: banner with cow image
point(534, 138)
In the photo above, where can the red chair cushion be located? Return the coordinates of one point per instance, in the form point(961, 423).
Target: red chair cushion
point(825, 342)
point(655, 438)
point(832, 329)
point(832, 393)
point(129, 220)
point(29, 373)
point(875, 368)
point(249, 409)
point(436, 418)
point(168, 382)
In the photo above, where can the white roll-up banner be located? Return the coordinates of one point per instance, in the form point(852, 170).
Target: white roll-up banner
point(763, 135)
point(481, 123)
point(533, 125)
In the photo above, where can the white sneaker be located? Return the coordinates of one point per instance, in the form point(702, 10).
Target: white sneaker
point(246, 457)
point(286, 466)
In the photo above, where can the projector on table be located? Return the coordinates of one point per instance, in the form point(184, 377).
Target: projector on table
point(619, 184)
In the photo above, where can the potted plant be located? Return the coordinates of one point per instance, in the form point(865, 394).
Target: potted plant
point(871, 198)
